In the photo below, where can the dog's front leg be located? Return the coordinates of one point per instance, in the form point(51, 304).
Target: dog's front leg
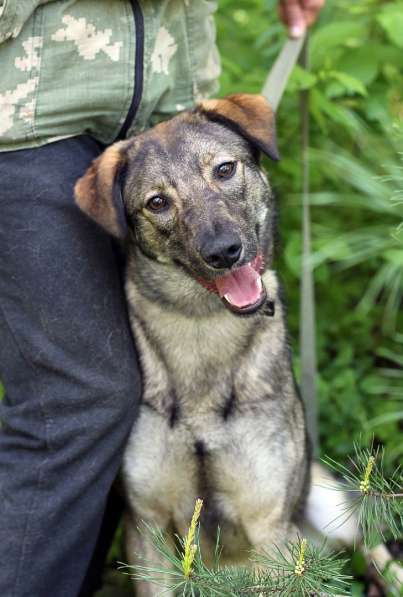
point(267, 530)
point(141, 550)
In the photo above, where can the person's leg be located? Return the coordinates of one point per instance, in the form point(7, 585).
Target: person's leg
point(69, 369)
point(97, 569)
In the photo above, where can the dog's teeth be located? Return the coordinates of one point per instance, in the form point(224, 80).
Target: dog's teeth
point(259, 284)
point(228, 298)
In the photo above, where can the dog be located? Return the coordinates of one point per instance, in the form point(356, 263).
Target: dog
point(221, 417)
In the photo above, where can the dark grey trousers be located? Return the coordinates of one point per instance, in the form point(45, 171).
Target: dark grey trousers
point(69, 368)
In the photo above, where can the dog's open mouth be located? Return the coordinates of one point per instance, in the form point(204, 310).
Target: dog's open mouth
point(241, 290)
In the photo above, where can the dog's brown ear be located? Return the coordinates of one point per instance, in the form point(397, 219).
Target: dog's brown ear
point(249, 115)
point(98, 192)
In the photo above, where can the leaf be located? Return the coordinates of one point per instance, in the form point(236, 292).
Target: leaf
point(361, 63)
point(394, 256)
point(343, 33)
point(350, 84)
point(301, 79)
point(376, 107)
point(339, 114)
point(387, 418)
point(391, 19)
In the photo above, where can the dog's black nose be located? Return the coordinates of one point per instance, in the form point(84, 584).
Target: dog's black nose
point(221, 251)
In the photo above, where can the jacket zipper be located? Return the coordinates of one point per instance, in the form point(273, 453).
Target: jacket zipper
point(138, 68)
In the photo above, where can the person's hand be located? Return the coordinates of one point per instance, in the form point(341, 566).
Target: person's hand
point(297, 15)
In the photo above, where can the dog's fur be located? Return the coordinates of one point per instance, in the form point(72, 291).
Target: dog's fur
point(221, 418)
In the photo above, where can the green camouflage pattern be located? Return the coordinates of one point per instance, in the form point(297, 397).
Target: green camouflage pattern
point(67, 66)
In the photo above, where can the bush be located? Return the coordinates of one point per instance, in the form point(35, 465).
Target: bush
point(356, 134)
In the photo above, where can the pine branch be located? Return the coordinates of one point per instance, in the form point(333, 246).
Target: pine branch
point(299, 568)
point(375, 500)
point(296, 569)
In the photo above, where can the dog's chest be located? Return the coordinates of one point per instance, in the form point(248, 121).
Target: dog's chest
point(213, 422)
point(230, 463)
point(191, 359)
point(187, 366)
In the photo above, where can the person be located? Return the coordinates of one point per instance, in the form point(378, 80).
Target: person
point(76, 76)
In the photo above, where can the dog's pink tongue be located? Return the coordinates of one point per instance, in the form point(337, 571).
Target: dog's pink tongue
point(241, 287)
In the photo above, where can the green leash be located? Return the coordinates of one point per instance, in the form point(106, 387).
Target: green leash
point(273, 90)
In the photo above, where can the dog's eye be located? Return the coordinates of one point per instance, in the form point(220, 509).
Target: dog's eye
point(225, 170)
point(157, 203)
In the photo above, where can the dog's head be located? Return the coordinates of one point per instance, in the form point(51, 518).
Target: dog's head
point(192, 192)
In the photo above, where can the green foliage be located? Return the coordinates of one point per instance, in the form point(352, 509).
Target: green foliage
point(356, 143)
point(391, 19)
point(375, 500)
point(297, 569)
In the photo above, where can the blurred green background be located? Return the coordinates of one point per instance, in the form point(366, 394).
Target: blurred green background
point(356, 167)
point(356, 140)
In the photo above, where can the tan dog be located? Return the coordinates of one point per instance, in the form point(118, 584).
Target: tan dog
point(221, 417)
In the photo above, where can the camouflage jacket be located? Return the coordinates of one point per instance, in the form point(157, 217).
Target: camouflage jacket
point(108, 68)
